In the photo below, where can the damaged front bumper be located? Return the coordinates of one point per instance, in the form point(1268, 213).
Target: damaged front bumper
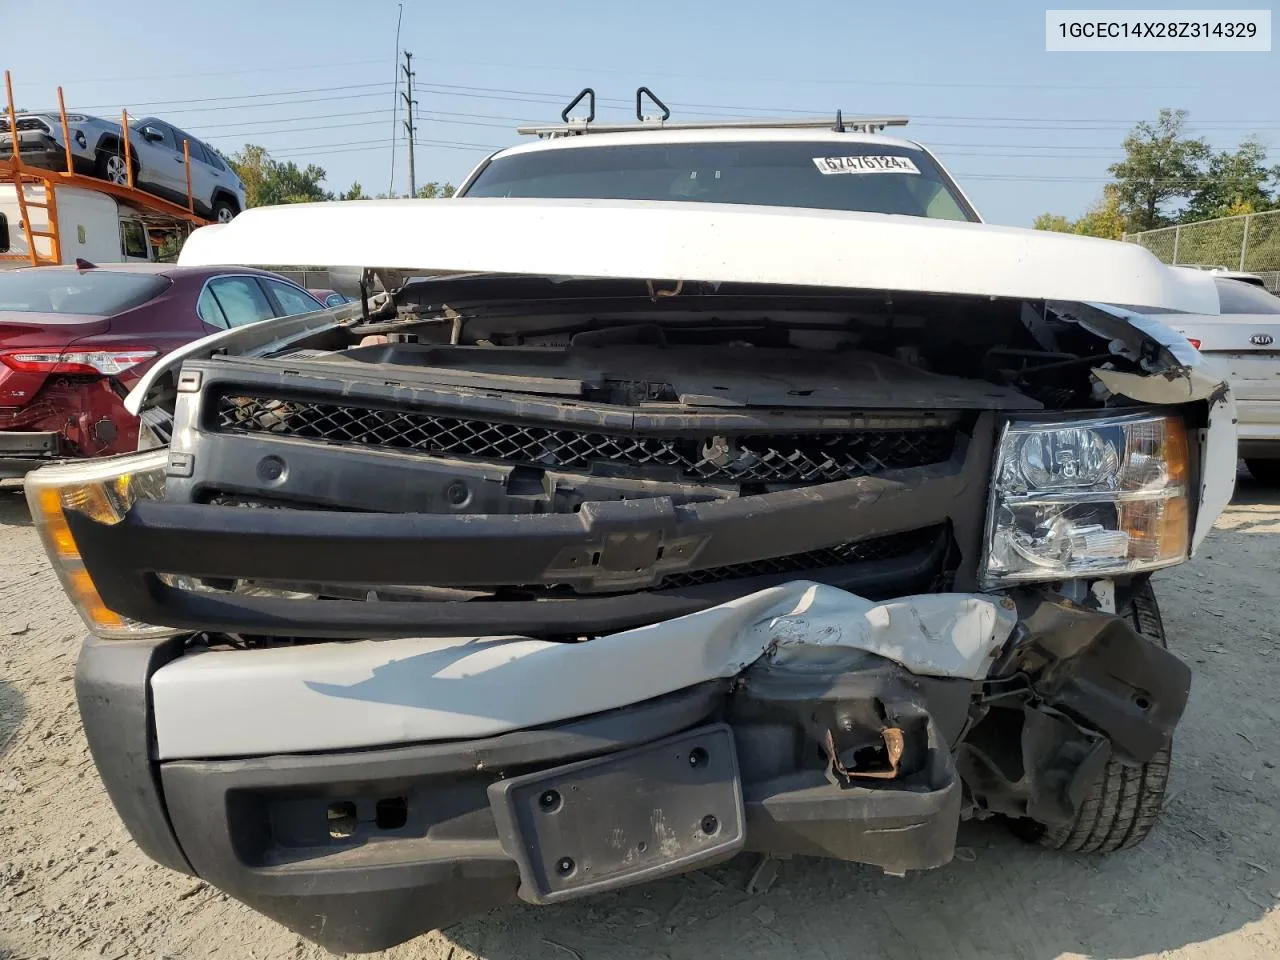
point(444, 776)
point(505, 676)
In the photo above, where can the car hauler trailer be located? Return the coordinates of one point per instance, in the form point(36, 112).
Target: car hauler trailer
point(50, 217)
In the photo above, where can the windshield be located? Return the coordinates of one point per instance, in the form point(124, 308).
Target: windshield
point(96, 293)
point(866, 177)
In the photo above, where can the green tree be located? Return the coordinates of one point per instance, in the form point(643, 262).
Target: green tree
point(355, 193)
point(1105, 219)
point(1161, 167)
point(288, 183)
point(268, 181)
point(1235, 182)
point(436, 190)
point(250, 165)
point(1052, 221)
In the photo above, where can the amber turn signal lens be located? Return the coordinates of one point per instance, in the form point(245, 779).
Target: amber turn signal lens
point(103, 490)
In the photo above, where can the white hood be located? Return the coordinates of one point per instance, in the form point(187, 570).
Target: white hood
point(704, 242)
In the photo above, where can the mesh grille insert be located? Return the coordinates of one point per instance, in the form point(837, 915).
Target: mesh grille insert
point(863, 551)
point(803, 457)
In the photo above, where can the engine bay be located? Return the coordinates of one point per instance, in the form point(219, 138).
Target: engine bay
point(629, 344)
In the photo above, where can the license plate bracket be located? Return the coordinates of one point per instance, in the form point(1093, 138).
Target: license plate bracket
point(625, 818)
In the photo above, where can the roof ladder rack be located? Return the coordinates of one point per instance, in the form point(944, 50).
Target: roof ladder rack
point(576, 126)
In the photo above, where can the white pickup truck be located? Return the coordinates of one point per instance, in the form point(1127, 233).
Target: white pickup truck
point(717, 490)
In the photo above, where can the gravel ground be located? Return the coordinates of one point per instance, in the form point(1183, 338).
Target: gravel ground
point(1204, 885)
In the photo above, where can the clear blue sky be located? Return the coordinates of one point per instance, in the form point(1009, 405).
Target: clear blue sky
point(1024, 130)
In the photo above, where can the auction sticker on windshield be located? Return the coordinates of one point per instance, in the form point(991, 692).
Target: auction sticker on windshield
point(868, 164)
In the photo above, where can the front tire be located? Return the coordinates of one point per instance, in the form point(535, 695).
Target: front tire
point(224, 210)
point(1264, 471)
point(1125, 803)
point(111, 167)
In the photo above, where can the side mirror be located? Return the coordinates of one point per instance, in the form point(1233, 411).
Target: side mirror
point(151, 134)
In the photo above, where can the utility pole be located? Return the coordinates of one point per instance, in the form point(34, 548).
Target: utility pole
point(395, 103)
point(410, 103)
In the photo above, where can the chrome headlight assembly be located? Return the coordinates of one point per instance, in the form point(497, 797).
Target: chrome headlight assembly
point(1088, 498)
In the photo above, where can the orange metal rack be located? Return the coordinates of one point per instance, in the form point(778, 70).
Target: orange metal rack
point(157, 212)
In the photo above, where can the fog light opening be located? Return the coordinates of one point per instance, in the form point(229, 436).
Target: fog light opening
point(342, 819)
point(391, 813)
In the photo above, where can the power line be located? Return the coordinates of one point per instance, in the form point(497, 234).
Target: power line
point(368, 113)
point(861, 82)
point(319, 65)
point(647, 72)
point(508, 94)
point(257, 106)
point(458, 143)
point(275, 121)
point(420, 142)
point(245, 96)
point(331, 126)
point(355, 146)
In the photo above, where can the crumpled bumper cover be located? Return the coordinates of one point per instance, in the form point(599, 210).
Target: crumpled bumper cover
point(375, 693)
point(828, 725)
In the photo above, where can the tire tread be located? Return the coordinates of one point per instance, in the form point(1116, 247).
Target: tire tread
point(1123, 806)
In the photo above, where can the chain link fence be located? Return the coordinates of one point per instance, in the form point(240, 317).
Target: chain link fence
point(311, 278)
point(1250, 242)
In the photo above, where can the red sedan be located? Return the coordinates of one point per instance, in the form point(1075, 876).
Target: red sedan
point(74, 340)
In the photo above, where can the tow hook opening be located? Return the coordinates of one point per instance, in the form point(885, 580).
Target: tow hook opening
point(893, 751)
point(875, 760)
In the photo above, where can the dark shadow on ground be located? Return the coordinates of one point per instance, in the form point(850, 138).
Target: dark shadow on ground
point(1251, 492)
point(11, 712)
point(13, 505)
point(1009, 900)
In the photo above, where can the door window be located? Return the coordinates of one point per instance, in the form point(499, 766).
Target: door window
point(166, 135)
point(239, 299)
point(133, 239)
point(209, 311)
point(197, 149)
point(291, 299)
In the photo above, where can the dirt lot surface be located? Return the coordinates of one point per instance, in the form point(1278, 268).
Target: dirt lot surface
point(1206, 884)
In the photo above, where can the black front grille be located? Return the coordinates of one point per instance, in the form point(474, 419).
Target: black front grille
point(878, 549)
point(928, 544)
point(802, 457)
point(32, 123)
